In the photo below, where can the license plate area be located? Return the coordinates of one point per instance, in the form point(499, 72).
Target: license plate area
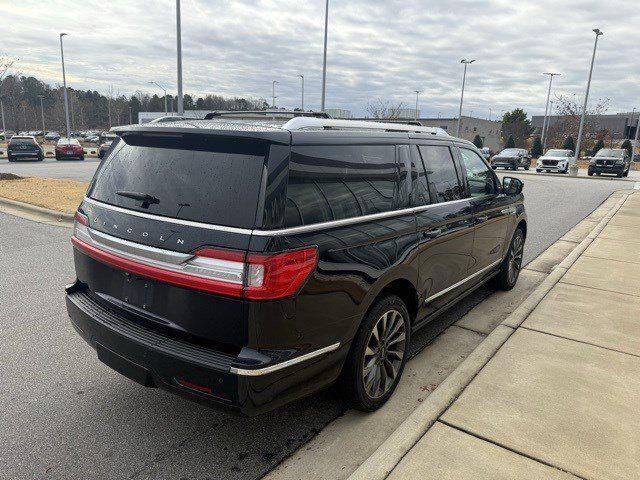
point(137, 291)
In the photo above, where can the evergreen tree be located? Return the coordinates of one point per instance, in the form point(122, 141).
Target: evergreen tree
point(627, 145)
point(477, 141)
point(536, 148)
point(598, 146)
point(511, 143)
point(569, 144)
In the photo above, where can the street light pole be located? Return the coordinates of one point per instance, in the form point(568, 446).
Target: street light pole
point(545, 131)
point(546, 109)
point(273, 93)
point(418, 92)
point(464, 79)
point(324, 59)
point(574, 166)
point(42, 112)
point(64, 81)
point(302, 78)
point(179, 48)
point(165, 94)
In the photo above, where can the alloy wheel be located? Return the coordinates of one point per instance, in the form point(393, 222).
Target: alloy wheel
point(384, 353)
point(515, 258)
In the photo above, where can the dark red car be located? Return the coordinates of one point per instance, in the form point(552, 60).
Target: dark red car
point(69, 149)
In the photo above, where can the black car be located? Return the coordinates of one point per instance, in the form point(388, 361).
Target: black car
point(106, 142)
point(24, 148)
point(512, 158)
point(615, 161)
point(251, 264)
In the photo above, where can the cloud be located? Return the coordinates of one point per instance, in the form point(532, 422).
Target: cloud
point(377, 48)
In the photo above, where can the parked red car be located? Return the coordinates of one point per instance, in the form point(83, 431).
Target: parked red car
point(69, 149)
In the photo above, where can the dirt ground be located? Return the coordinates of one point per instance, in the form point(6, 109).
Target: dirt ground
point(60, 195)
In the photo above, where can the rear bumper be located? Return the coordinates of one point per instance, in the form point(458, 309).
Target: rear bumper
point(245, 382)
point(69, 156)
point(25, 155)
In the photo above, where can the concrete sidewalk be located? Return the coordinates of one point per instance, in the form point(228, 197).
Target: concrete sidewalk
point(559, 395)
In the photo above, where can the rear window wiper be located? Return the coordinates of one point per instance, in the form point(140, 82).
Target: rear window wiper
point(145, 198)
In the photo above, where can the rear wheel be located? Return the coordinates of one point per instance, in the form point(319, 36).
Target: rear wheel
point(512, 263)
point(378, 354)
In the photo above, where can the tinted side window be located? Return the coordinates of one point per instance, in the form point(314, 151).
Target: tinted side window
point(335, 182)
point(479, 177)
point(441, 172)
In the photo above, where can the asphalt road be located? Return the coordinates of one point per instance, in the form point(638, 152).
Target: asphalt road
point(81, 170)
point(65, 415)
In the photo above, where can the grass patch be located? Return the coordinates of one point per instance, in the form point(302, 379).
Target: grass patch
point(60, 195)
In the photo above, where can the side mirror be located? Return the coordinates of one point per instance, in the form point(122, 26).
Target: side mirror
point(512, 186)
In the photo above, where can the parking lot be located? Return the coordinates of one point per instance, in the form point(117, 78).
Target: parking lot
point(72, 417)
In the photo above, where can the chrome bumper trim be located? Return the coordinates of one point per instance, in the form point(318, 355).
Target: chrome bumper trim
point(247, 372)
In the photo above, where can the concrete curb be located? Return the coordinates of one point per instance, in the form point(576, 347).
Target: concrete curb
point(52, 215)
point(562, 175)
point(387, 456)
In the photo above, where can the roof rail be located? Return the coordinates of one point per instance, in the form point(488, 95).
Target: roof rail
point(266, 113)
point(335, 124)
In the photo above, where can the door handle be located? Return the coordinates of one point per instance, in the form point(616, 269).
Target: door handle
point(508, 211)
point(432, 233)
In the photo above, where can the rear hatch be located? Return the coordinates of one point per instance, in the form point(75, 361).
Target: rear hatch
point(166, 225)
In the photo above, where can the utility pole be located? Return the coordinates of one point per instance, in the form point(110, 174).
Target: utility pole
point(64, 81)
point(324, 60)
point(130, 117)
point(109, 104)
point(165, 95)
point(179, 47)
point(464, 79)
point(302, 104)
point(273, 93)
point(635, 141)
point(42, 112)
point(546, 109)
point(489, 113)
point(417, 94)
point(4, 128)
point(573, 170)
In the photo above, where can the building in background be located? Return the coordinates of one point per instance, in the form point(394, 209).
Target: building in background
point(619, 125)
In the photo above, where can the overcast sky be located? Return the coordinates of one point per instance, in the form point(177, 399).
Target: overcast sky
point(377, 49)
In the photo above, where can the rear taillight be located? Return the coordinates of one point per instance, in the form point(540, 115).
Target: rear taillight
point(258, 276)
point(226, 272)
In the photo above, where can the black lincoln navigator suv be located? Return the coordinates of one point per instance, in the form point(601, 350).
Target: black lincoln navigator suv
point(250, 263)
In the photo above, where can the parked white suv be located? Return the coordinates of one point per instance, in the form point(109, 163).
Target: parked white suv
point(554, 161)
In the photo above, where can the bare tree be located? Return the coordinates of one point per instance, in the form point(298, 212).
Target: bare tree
point(383, 109)
point(6, 62)
point(569, 109)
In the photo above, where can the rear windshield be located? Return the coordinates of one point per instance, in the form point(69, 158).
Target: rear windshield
point(192, 177)
point(22, 141)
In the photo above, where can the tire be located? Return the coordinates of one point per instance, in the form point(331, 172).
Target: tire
point(512, 263)
point(494, 167)
point(526, 168)
point(538, 170)
point(369, 396)
point(11, 159)
point(82, 158)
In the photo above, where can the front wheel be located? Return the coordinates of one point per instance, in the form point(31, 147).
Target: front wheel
point(527, 167)
point(378, 354)
point(512, 263)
